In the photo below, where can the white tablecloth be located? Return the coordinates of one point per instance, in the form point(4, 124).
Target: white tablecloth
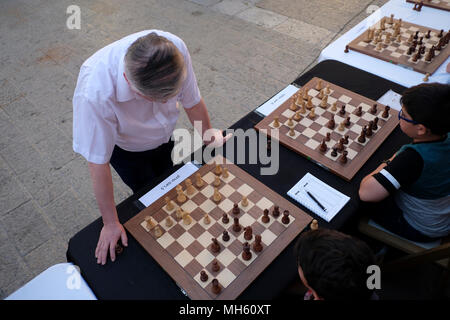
point(433, 18)
point(59, 282)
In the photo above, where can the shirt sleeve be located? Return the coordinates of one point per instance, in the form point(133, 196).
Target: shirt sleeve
point(190, 93)
point(94, 130)
point(402, 171)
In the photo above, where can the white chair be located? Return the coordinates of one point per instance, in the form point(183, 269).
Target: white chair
point(59, 282)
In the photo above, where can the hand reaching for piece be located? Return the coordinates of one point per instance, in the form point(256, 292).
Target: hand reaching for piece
point(214, 137)
point(109, 237)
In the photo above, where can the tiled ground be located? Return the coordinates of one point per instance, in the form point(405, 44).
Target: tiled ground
point(243, 53)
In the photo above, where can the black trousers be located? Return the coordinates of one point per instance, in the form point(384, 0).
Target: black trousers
point(137, 169)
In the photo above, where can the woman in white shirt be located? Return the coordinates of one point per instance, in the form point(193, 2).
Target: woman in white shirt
point(125, 110)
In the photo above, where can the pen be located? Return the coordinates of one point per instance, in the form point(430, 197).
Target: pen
point(316, 201)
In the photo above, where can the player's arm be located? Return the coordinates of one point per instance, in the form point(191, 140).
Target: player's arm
point(199, 117)
point(402, 170)
point(112, 229)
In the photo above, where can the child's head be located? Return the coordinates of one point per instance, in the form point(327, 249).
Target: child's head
point(428, 107)
point(334, 265)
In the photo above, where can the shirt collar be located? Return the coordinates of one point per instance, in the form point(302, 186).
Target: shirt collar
point(123, 90)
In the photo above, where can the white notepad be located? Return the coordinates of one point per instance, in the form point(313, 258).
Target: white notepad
point(331, 199)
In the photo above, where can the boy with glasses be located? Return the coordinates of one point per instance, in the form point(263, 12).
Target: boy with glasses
point(409, 194)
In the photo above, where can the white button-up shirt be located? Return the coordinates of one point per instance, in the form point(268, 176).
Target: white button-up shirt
point(106, 112)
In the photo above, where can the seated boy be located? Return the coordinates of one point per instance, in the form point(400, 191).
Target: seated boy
point(410, 192)
point(333, 265)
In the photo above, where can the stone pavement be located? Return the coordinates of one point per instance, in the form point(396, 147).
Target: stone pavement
point(243, 53)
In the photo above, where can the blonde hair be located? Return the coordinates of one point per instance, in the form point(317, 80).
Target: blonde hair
point(155, 67)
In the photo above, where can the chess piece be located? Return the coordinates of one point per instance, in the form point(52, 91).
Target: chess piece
point(187, 219)
point(428, 56)
point(218, 169)
point(314, 225)
point(216, 289)
point(379, 46)
point(343, 158)
point(342, 111)
point(291, 132)
point(203, 276)
point(297, 116)
point(244, 201)
point(426, 78)
point(368, 34)
point(328, 136)
point(312, 113)
point(391, 19)
point(373, 110)
point(248, 233)
point(169, 204)
point(158, 232)
point(347, 122)
point(382, 24)
point(181, 196)
point(150, 224)
point(341, 126)
point(319, 85)
point(428, 34)
point(299, 98)
point(225, 236)
point(215, 267)
point(323, 104)
point(285, 219)
point(190, 190)
point(206, 219)
point(369, 131)
point(276, 122)
point(331, 123)
point(179, 213)
point(441, 33)
point(410, 39)
point(327, 89)
point(385, 113)
point(309, 104)
point(359, 111)
point(346, 49)
point(257, 245)
point(362, 137)
point(276, 211)
point(333, 106)
point(225, 218)
point(265, 218)
point(225, 173)
point(375, 124)
point(323, 146)
point(217, 196)
point(334, 152)
point(290, 122)
point(236, 226)
point(293, 106)
point(215, 246)
point(320, 95)
point(340, 145)
point(198, 180)
point(217, 181)
point(303, 108)
point(387, 39)
point(416, 56)
point(236, 209)
point(346, 139)
point(169, 222)
point(246, 253)
point(416, 35)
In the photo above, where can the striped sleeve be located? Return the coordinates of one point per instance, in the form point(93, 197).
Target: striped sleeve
point(402, 171)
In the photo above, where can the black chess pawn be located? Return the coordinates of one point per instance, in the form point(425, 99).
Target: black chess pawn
point(422, 50)
point(373, 110)
point(276, 211)
point(236, 226)
point(236, 209)
point(246, 253)
point(215, 267)
point(375, 124)
point(343, 158)
point(340, 146)
point(248, 233)
point(225, 236)
point(428, 35)
point(257, 246)
point(203, 276)
point(225, 218)
point(346, 139)
point(359, 111)
point(265, 218)
point(416, 36)
point(328, 136)
point(441, 33)
point(369, 131)
point(215, 246)
point(347, 122)
point(334, 152)
point(385, 113)
point(285, 219)
point(323, 146)
point(331, 123)
point(420, 42)
point(216, 289)
point(362, 137)
point(411, 50)
point(342, 111)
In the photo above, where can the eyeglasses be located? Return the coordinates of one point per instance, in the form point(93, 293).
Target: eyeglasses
point(400, 116)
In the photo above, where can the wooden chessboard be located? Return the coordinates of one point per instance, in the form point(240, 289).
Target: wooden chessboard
point(396, 52)
point(437, 4)
point(309, 133)
point(185, 250)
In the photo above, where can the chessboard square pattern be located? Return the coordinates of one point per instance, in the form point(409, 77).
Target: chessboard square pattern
point(225, 257)
point(225, 277)
point(205, 257)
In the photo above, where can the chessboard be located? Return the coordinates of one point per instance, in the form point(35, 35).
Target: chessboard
point(403, 43)
point(437, 4)
point(217, 230)
point(333, 126)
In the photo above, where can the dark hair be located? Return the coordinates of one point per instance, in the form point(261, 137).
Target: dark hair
point(335, 264)
point(155, 66)
point(429, 104)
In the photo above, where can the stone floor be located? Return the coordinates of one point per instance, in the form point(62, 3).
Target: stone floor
point(243, 52)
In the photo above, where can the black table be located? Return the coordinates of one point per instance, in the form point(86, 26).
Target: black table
point(136, 275)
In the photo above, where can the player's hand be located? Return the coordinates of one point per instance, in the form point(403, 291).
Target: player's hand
point(214, 138)
point(109, 236)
